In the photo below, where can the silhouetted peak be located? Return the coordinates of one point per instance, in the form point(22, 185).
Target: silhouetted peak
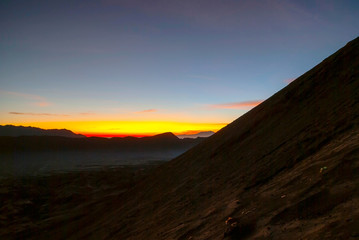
point(16, 131)
point(165, 136)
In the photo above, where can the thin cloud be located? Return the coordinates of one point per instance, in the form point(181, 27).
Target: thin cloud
point(289, 80)
point(40, 114)
point(39, 101)
point(87, 113)
point(42, 104)
point(237, 105)
point(148, 111)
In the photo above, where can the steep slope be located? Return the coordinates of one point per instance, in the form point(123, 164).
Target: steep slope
point(288, 169)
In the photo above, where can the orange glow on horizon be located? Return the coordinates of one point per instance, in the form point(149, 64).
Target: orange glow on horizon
point(128, 128)
point(110, 135)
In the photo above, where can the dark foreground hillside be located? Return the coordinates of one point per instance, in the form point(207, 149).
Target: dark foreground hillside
point(29, 203)
point(288, 169)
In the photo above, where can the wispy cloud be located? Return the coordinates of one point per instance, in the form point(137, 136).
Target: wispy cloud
point(42, 104)
point(289, 80)
point(237, 105)
point(148, 111)
point(87, 113)
point(38, 100)
point(40, 114)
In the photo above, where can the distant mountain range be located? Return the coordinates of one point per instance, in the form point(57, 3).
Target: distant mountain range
point(16, 131)
point(64, 142)
point(32, 155)
point(200, 134)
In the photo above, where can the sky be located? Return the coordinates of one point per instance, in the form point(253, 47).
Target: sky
point(139, 67)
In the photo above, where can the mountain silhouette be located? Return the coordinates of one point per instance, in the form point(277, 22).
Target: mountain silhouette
point(160, 142)
point(287, 169)
point(168, 136)
point(16, 131)
point(38, 155)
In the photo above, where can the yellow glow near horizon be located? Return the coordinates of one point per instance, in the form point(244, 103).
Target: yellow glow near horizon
point(127, 128)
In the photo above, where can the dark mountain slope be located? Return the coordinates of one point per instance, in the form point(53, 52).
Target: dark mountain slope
point(320, 110)
point(288, 169)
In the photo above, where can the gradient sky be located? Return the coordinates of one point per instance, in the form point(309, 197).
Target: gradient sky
point(145, 67)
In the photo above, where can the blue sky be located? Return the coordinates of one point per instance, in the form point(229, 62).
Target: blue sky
point(151, 60)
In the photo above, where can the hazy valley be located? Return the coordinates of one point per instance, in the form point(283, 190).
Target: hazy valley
point(44, 154)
